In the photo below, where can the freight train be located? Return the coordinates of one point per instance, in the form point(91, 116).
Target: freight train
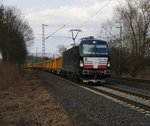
point(88, 62)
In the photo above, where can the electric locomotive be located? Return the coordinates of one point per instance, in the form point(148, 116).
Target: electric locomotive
point(89, 61)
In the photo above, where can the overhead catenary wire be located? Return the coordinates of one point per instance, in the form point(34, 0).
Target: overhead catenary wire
point(55, 32)
point(94, 14)
point(59, 37)
point(65, 37)
point(55, 36)
point(83, 23)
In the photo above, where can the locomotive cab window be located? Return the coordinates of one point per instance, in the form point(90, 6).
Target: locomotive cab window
point(95, 48)
point(101, 49)
point(88, 49)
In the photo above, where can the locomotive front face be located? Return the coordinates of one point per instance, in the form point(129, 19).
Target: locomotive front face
point(94, 60)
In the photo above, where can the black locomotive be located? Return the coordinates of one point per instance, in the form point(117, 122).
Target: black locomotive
point(89, 61)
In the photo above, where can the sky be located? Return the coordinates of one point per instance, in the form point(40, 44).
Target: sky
point(90, 14)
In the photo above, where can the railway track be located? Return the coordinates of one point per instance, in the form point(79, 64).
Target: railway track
point(134, 100)
point(138, 101)
point(128, 98)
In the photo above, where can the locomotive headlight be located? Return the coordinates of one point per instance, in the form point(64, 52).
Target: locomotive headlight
point(81, 63)
point(108, 64)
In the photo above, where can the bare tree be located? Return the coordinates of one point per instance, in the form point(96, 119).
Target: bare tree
point(135, 15)
point(61, 49)
point(15, 35)
point(114, 37)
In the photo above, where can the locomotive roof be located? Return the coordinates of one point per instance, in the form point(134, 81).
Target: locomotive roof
point(86, 39)
point(91, 38)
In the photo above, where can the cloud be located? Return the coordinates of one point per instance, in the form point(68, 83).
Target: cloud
point(73, 16)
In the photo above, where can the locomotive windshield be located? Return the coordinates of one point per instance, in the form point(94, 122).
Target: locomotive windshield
point(94, 47)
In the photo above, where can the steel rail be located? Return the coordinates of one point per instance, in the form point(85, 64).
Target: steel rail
point(136, 104)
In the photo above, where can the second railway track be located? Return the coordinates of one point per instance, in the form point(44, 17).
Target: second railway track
point(144, 96)
point(136, 101)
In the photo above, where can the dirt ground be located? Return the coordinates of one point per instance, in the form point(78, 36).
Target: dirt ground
point(31, 104)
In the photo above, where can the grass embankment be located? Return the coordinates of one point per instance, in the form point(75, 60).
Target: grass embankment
point(24, 101)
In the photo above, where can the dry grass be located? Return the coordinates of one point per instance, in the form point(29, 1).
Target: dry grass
point(28, 103)
point(9, 76)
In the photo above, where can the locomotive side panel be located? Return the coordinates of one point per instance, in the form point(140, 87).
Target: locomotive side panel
point(70, 62)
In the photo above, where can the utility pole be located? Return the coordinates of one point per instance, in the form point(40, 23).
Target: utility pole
point(74, 36)
point(120, 49)
point(43, 40)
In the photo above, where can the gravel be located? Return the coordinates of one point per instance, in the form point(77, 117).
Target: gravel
point(131, 86)
point(126, 95)
point(86, 108)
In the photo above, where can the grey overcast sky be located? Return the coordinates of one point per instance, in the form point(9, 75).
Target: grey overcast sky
point(56, 13)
